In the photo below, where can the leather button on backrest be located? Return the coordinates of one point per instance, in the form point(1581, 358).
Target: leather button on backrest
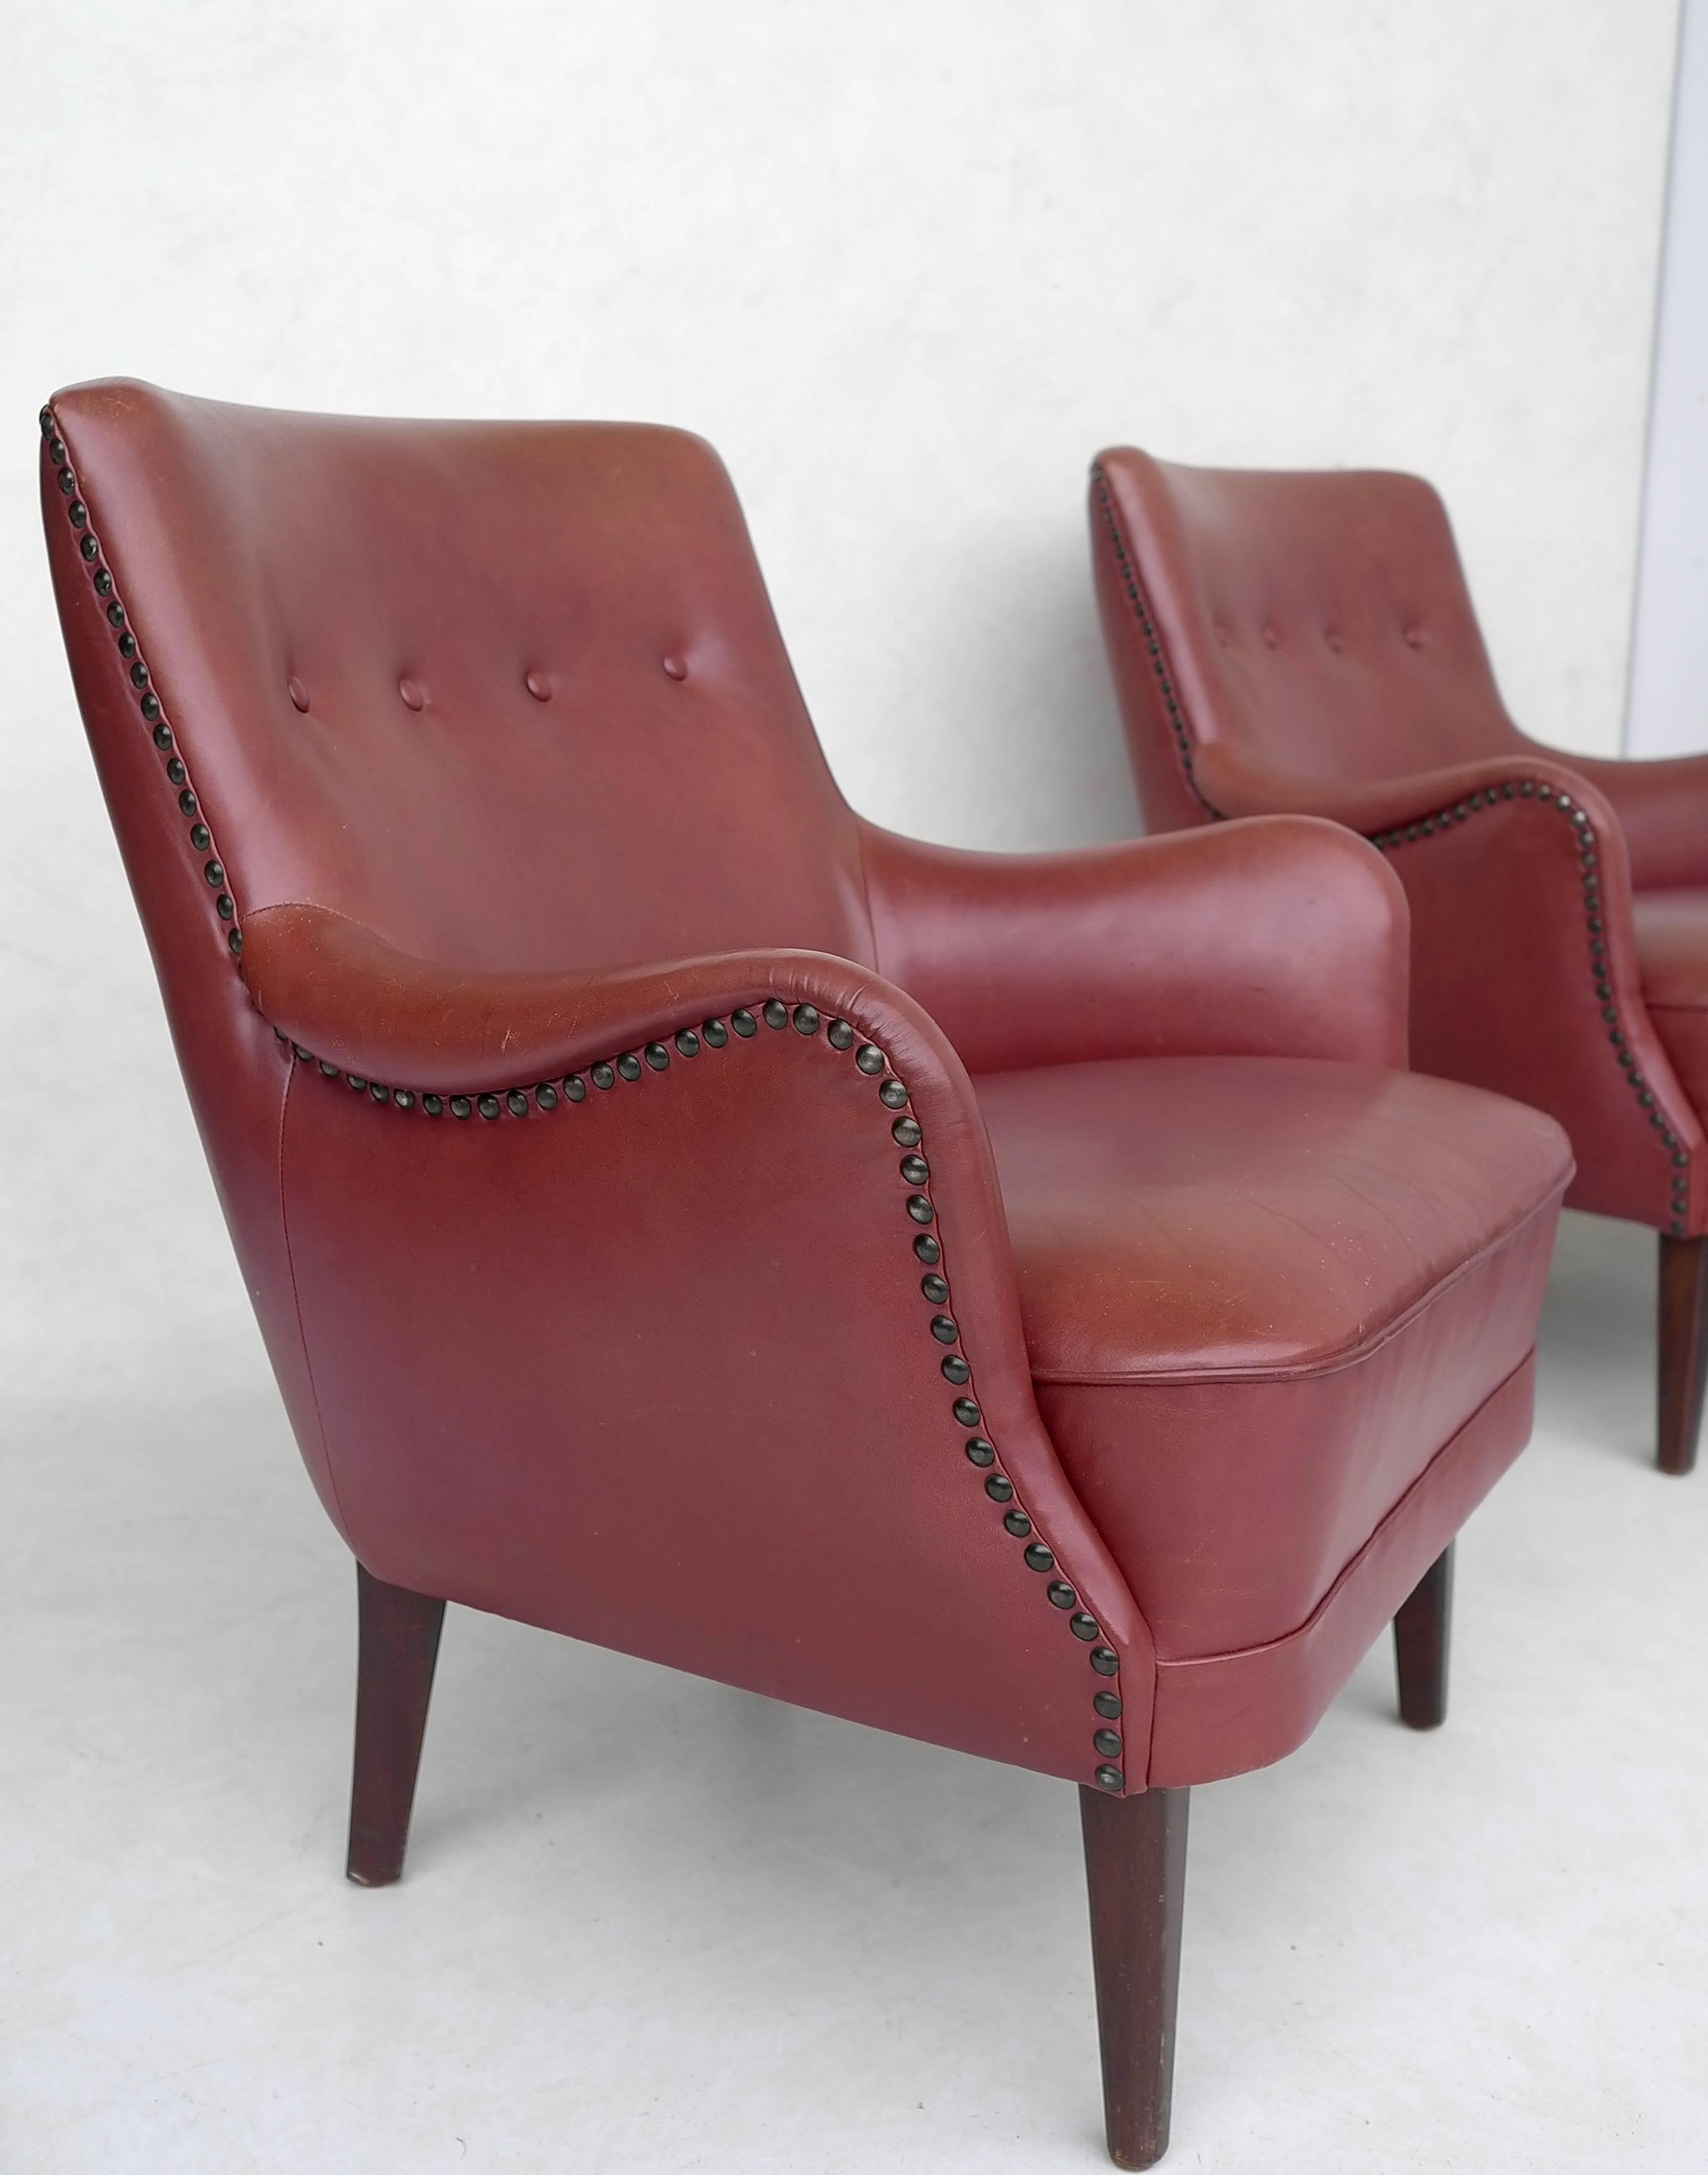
point(676, 667)
point(538, 686)
point(1415, 635)
point(1271, 637)
point(298, 692)
point(412, 694)
point(1335, 639)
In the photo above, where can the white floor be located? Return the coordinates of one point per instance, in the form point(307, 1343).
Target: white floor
point(650, 1923)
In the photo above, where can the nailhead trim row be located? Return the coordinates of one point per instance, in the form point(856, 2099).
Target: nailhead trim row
point(1429, 826)
point(915, 1173)
point(1130, 582)
point(175, 772)
point(1549, 796)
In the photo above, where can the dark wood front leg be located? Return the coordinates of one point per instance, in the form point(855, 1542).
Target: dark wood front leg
point(1683, 1350)
point(1135, 1876)
point(1423, 1632)
point(397, 1644)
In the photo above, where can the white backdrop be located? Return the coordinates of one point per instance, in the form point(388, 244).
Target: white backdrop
point(909, 264)
point(1668, 708)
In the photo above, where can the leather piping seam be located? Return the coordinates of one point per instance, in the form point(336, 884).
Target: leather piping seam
point(1159, 662)
point(153, 712)
point(1336, 1362)
point(1349, 1568)
point(1442, 820)
point(631, 1066)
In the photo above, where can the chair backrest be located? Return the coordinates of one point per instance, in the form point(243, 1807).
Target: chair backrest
point(1320, 621)
point(512, 694)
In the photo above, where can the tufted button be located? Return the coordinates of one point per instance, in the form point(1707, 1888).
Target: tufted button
point(1335, 639)
point(413, 699)
point(676, 668)
point(1270, 638)
point(1414, 635)
point(298, 692)
point(538, 686)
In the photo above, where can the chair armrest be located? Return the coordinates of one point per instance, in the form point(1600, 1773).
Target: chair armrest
point(1662, 808)
point(1524, 969)
point(1271, 938)
point(636, 1346)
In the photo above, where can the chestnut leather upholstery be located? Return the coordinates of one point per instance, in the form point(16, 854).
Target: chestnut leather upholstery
point(591, 1097)
point(1306, 643)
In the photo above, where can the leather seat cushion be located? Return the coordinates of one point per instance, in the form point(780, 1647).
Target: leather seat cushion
point(1672, 954)
point(1259, 1295)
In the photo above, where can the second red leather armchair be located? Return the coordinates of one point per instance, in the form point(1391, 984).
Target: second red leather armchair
point(1306, 643)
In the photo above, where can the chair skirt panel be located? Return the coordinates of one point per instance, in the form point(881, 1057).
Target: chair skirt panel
point(1224, 1714)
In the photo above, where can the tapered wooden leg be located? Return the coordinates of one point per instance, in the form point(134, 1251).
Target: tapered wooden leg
point(1683, 1350)
point(1136, 1876)
point(1423, 1632)
point(397, 1644)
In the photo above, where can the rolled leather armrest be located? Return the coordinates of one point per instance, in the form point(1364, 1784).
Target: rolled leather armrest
point(631, 1324)
point(1278, 937)
point(1524, 969)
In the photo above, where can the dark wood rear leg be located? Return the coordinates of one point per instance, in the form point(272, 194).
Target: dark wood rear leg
point(1423, 1632)
point(397, 1644)
point(1135, 1876)
point(1683, 1350)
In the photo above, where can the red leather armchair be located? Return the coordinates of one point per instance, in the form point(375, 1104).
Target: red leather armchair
point(1022, 1303)
point(1306, 644)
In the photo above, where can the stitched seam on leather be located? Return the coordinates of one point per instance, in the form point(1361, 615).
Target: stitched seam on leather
point(1153, 643)
point(296, 1300)
point(81, 513)
point(1441, 820)
point(548, 1097)
point(1348, 1570)
point(1334, 1364)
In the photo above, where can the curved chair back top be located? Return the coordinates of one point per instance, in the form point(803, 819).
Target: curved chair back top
point(510, 694)
point(1319, 621)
